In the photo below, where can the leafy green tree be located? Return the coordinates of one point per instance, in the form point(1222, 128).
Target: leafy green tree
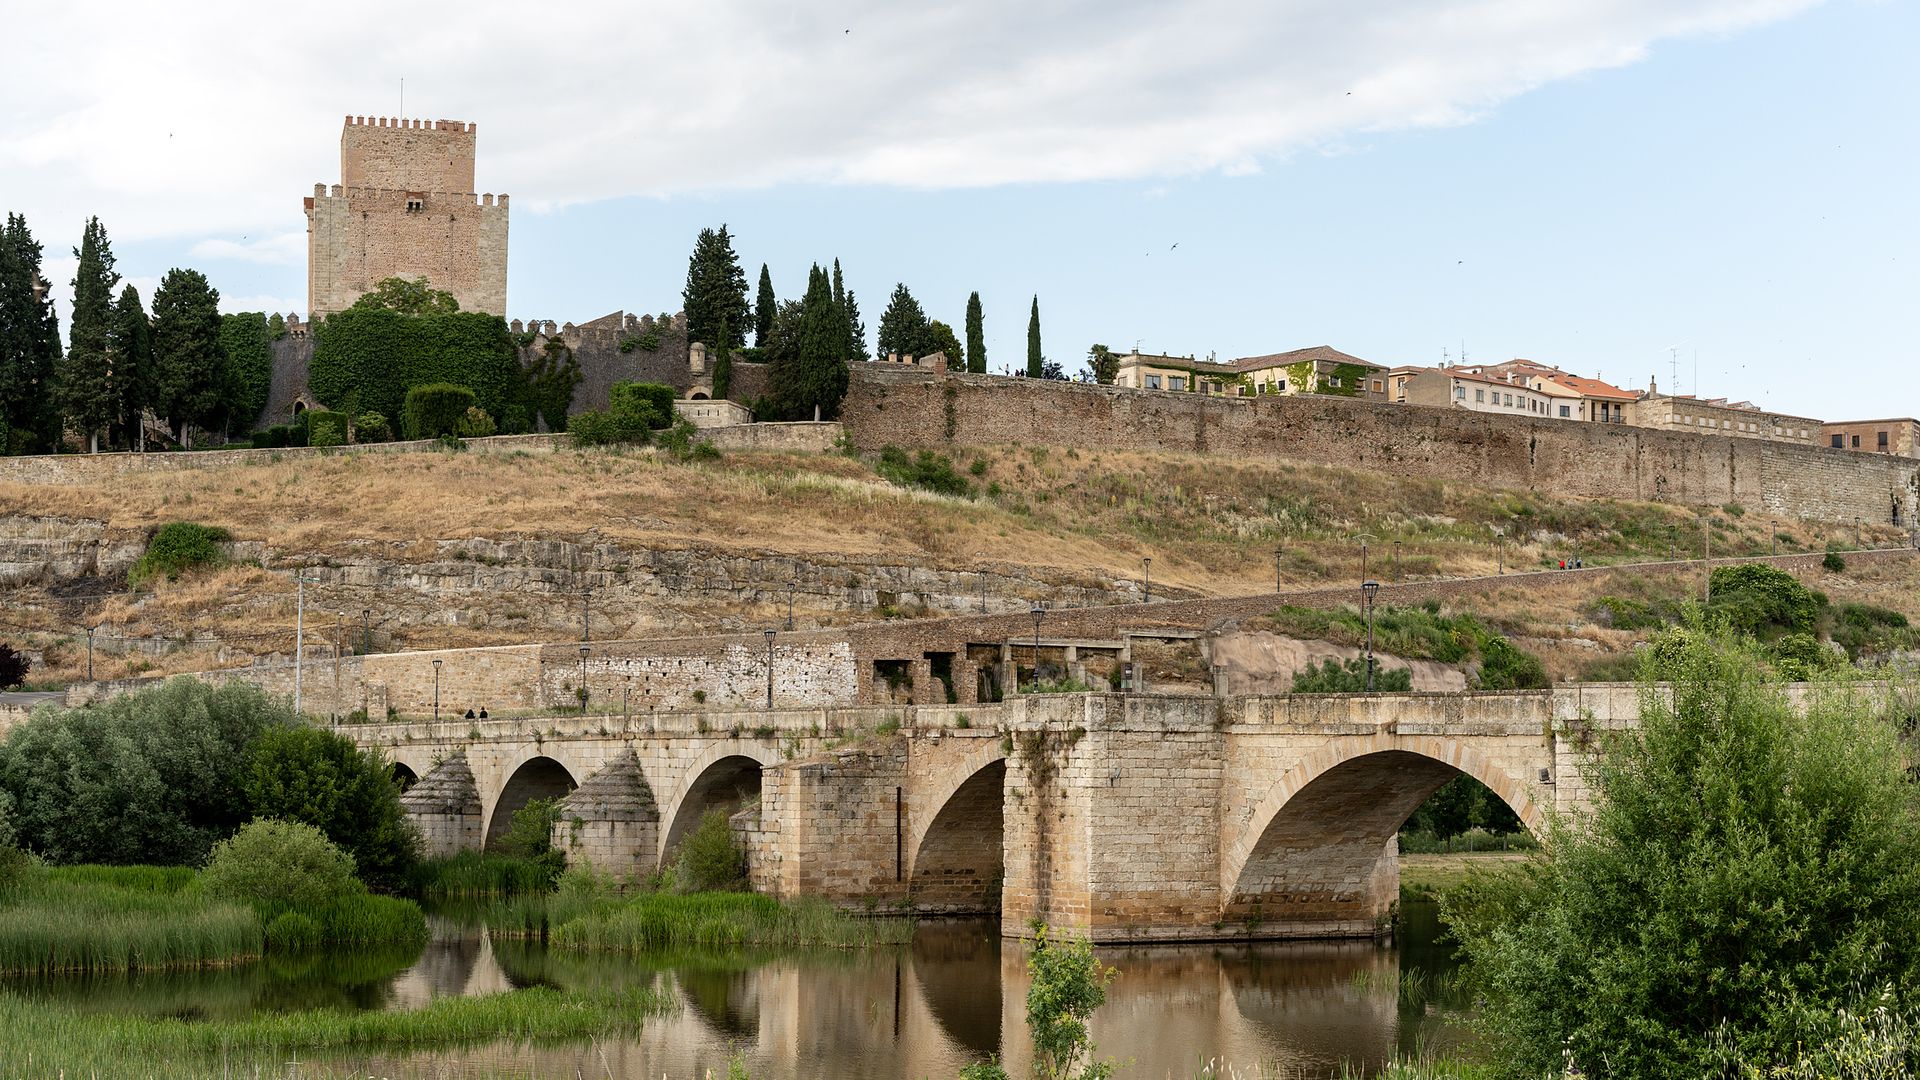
point(407, 297)
point(84, 377)
point(723, 365)
point(550, 382)
point(277, 866)
point(1103, 365)
point(903, 326)
point(1763, 600)
point(29, 345)
point(716, 292)
point(249, 347)
point(1747, 866)
point(189, 364)
point(976, 336)
point(147, 777)
point(1036, 360)
point(856, 328)
point(1461, 805)
point(379, 353)
point(131, 343)
point(940, 339)
point(813, 375)
point(1068, 985)
point(710, 859)
point(764, 307)
point(529, 836)
point(13, 667)
point(306, 774)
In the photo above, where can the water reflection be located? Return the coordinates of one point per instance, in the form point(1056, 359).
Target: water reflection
point(957, 995)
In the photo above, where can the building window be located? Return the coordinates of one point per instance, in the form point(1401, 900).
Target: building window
point(1153, 382)
point(1459, 393)
point(1509, 401)
point(1334, 382)
point(1883, 442)
point(1566, 411)
point(1280, 386)
point(1176, 382)
point(1839, 442)
point(1480, 396)
point(1376, 386)
point(1856, 442)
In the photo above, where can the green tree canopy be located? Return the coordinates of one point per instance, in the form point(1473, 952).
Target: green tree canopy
point(716, 291)
point(191, 378)
point(940, 339)
point(903, 326)
point(1104, 366)
point(84, 377)
point(131, 343)
point(1747, 866)
point(810, 372)
point(306, 774)
point(1036, 360)
point(764, 307)
point(976, 336)
point(407, 297)
point(249, 346)
point(380, 353)
point(29, 344)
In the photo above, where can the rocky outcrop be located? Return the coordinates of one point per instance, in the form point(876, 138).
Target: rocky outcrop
point(50, 550)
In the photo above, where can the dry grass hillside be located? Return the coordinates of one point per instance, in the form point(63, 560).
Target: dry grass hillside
point(467, 548)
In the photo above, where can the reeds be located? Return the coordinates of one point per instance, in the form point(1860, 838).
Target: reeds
point(58, 921)
point(475, 874)
point(723, 920)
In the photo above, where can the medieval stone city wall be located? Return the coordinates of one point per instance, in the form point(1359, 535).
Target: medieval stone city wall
point(890, 405)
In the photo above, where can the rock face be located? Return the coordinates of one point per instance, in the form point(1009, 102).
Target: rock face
point(1258, 662)
point(50, 550)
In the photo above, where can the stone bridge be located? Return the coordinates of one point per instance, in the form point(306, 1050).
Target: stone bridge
point(1125, 816)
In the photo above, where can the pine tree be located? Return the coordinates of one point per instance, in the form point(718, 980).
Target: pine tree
point(941, 339)
point(723, 365)
point(189, 365)
point(856, 329)
point(815, 376)
point(716, 291)
point(29, 345)
point(84, 379)
point(903, 326)
point(764, 308)
point(976, 337)
point(131, 342)
point(1036, 360)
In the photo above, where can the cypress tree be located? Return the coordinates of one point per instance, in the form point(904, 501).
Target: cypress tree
point(189, 365)
point(764, 308)
point(84, 379)
point(131, 342)
point(723, 365)
point(1036, 361)
point(856, 329)
point(976, 337)
point(815, 377)
point(903, 326)
point(716, 291)
point(29, 344)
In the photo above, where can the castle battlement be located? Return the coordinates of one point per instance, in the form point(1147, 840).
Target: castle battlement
point(460, 127)
point(376, 194)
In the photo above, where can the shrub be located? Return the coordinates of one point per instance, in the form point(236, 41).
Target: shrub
point(1763, 601)
point(1643, 948)
point(271, 438)
point(475, 424)
point(1068, 985)
point(326, 428)
point(147, 777)
point(709, 859)
point(1504, 667)
point(529, 836)
point(627, 398)
point(177, 547)
point(13, 667)
point(596, 427)
point(679, 441)
point(635, 414)
point(319, 778)
point(1834, 563)
point(279, 866)
point(1334, 677)
point(371, 427)
point(434, 410)
point(927, 470)
point(13, 861)
point(1798, 657)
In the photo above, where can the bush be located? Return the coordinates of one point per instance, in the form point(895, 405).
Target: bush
point(631, 398)
point(1799, 657)
point(1333, 677)
point(1746, 865)
point(434, 410)
point(927, 470)
point(371, 427)
point(680, 442)
point(1504, 667)
point(529, 836)
point(597, 427)
point(272, 438)
point(147, 777)
point(13, 667)
point(380, 354)
point(326, 428)
point(476, 424)
point(1763, 601)
point(319, 778)
point(1834, 563)
point(709, 859)
point(279, 866)
point(177, 547)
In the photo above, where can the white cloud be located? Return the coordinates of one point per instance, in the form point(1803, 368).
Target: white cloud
point(268, 304)
point(213, 120)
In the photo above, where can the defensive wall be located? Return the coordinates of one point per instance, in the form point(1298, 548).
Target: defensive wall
point(892, 405)
point(1172, 646)
point(1132, 817)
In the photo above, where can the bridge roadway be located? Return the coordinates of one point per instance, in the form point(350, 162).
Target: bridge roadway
point(1130, 817)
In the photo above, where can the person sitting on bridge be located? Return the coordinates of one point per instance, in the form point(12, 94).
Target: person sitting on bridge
point(483, 712)
point(470, 714)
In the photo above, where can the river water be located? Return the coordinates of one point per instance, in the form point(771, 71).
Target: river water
point(956, 995)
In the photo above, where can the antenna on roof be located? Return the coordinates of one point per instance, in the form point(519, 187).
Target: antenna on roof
point(403, 96)
point(1674, 352)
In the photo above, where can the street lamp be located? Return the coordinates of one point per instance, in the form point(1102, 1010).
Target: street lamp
point(769, 634)
point(436, 691)
point(1038, 612)
point(1278, 552)
point(1368, 588)
point(1146, 588)
point(366, 631)
point(584, 650)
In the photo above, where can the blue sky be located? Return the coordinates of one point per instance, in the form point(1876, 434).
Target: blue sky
point(1744, 194)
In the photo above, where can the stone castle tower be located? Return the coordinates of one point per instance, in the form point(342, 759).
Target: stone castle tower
point(405, 207)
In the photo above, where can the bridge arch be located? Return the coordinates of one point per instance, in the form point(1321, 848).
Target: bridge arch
point(725, 775)
point(537, 776)
point(1319, 850)
point(402, 774)
point(959, 850)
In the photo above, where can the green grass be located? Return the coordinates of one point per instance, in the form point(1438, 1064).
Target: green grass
point(101, 919)
point(652, 922)
point(50, 1041)
point(477, 874)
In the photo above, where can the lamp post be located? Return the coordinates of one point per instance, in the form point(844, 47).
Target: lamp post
point(436, 691)
point(1146, 578)
point(90, 631)
point(1038, 612)
point(366, 631)
point(1365, 539)
point(1367, 589)
point(1278, 552)
point(769, 634)
point(584, 650)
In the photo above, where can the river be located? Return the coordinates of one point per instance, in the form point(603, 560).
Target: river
point(956, 995)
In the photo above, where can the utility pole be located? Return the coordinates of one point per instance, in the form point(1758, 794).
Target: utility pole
point(1146, 577)
point(366, 631)
point(90, 631)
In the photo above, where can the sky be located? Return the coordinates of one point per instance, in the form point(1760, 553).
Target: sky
point(1719, 193)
